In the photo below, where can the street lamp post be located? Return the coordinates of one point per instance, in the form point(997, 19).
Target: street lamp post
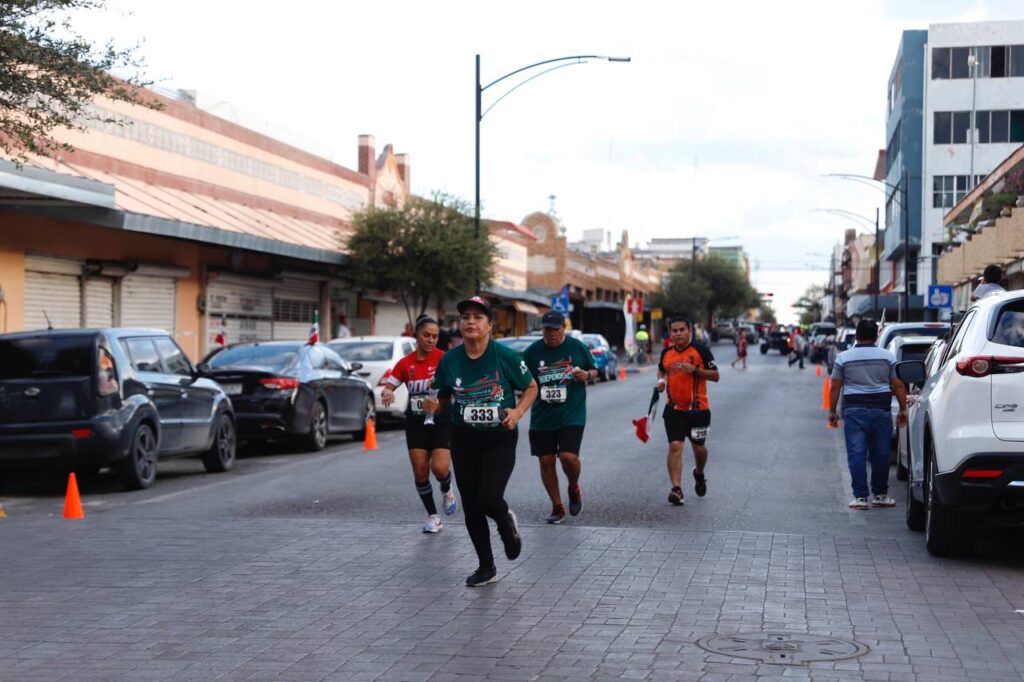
point(478, 92)
point(850, 215)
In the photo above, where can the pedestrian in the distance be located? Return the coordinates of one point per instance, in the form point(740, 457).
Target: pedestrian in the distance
point(799, 346)
point(865, 377)
point(561, 365)
point(990, 281)
point(481, 378)
point(741, 351)
point(428, 439)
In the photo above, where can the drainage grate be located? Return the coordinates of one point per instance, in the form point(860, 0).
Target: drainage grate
point(786, 648)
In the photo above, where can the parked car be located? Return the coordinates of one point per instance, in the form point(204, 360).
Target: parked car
point(906, 348)
point(890, 331)
point(818, 346)
point(966, 455)
point(777, 340)
point(844, 340)
point(604, 357)
point(519, 343)
point(292, 389)
point(931, 363)
point(378, 355)
point(84, 399)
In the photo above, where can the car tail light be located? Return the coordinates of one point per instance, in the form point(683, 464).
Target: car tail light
point(982, 366)
point(106, 374)
point(79, 434)
point(279, 383)
point(981, 473)
point(597, 351)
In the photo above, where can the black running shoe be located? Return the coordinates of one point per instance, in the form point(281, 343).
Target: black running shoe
point(700, 483)
point(575, 501)
point(513, 543)
point(482, 576)
point(556, 515)
point(676, 496)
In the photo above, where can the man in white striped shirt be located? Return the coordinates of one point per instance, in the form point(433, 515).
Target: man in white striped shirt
point(865, 377)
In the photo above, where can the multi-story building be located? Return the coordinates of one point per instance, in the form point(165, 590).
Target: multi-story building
point(734, 255)
point(958, 91)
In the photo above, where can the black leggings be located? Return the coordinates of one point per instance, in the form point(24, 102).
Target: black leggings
point(483, 464)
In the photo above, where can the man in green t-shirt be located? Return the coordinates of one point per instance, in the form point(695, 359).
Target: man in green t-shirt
point(562, 366)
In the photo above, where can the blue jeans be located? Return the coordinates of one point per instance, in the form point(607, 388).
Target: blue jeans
point(868, 438)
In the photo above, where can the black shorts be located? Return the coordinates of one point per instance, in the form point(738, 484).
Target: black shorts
point(565, 439)
point(680, 425)
point(429, 438)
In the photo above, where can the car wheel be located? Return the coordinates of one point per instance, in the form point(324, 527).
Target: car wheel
point(764, 350)
point(221, 455)
point(316, 439)
point(369, 412)
point(947, 532)
point(138, 469)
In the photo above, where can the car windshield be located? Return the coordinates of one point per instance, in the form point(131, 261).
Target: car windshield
point(915, 351)
point(517, 344)
point(46, 356)
point(275, 357)
point(365, 351)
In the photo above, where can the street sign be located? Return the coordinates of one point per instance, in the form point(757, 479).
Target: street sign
point(940, 296)
point(657, 314)
point(635, 306)
point(561, 302)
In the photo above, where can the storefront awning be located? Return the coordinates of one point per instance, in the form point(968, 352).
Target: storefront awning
point(527, 308)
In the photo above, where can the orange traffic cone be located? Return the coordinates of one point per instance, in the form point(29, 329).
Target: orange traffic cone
point(72, 502)
point(370, 442)
point(817, 371)
point(622, 373)
point(825, 390)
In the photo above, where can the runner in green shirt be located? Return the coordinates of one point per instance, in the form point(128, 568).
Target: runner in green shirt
point(562, 366)
point(481, 378)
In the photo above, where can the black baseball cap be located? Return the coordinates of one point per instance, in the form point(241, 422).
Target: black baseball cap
point(477, 301)
point(553, 319)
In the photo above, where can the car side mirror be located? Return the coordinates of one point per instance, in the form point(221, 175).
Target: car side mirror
point(355, 366)
point(911, 372)
point(203, 369)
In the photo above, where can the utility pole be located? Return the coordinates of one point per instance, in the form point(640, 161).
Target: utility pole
point(906, 247)
point(878, 266)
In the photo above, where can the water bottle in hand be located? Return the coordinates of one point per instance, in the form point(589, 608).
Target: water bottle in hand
point(429, 419)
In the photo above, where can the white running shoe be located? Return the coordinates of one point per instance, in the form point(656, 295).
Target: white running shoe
point(433, 524)
point(859, 503)
point(451, 505)
point(882, 501)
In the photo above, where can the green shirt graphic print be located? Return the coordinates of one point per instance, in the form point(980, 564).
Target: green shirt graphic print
point(484, 388)
point(552, 368)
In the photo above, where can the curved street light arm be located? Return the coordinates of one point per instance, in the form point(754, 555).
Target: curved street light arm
point(849, 215)
point(519, 85)
point(578, 58)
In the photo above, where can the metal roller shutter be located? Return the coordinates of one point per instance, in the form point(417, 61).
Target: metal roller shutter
point(99, 303)
point(295, 301)
point(52, 290)
point(391, 319)
point(148, 302)
point(246, 304)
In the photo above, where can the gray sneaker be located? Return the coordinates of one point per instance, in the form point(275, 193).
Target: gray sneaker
point(882, 501)
point(859, 503)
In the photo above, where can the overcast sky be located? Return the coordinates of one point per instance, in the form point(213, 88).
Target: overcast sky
point(721, 126)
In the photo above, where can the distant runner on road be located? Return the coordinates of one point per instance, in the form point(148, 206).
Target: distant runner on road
point(683, 371)
point(429, 442)
point(562, 366)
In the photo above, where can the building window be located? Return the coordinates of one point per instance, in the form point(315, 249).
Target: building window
point(953, 127)
point(940, 63)
point(948, 190)
point(993, 61)
point(1000, 126)
point(1017, 61)
point(943, 133)
point(289, 310)
point(961, 124)
point(893, 149)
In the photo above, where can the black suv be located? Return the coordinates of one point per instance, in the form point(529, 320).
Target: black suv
point(83, 399)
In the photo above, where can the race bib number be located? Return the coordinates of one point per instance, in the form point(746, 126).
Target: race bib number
point(699, 432)
point(554, 394)
point(416, 404)
point(481, 414)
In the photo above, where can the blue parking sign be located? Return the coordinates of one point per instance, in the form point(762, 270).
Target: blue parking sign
point(940, 296)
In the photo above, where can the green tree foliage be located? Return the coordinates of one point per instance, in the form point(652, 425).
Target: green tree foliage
point(766, 313)
point(716, 287)
point(811, 304)
point(49, 75)
point(425, 251)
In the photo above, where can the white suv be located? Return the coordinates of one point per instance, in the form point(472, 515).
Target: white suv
point(966, 463)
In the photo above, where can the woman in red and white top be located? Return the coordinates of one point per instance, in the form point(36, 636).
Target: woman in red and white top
point(428, 437)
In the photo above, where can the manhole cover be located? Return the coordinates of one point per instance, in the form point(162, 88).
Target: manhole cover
point(787, 648)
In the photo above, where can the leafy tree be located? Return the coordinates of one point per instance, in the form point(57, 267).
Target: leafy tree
point(714, 287)
point(424, 251)
point(766, 312)
point(50, 75)
point(811, 304)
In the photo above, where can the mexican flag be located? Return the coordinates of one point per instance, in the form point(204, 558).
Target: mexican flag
point(222, 334)
point(644, 424)
point(314, 330)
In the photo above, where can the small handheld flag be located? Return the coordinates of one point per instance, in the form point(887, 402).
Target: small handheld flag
point(644, 424)
point(314, 331)
point(222, 334)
